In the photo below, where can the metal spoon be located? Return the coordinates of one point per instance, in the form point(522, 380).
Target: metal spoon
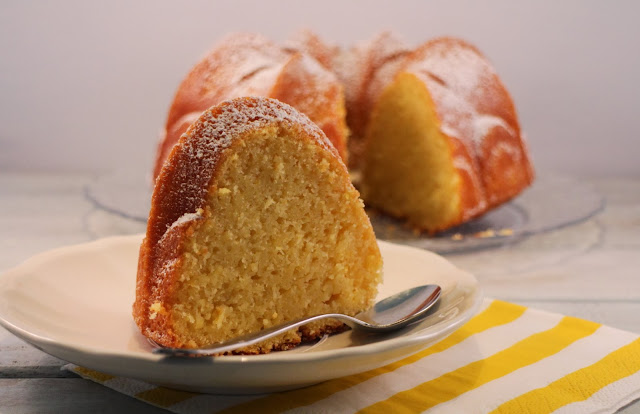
point(387, 315)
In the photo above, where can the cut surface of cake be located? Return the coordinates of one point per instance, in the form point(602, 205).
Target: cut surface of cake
point(253, 223)
point(443, 144)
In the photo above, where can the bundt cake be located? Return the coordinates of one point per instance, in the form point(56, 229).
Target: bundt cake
point(443, 144)
point(253, 222)
point(433, 134)
point(245, 64)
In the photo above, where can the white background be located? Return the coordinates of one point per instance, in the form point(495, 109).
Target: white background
point(85, 86)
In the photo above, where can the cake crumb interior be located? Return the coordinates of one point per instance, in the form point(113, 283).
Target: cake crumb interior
point(284, 236)
point(408, 170)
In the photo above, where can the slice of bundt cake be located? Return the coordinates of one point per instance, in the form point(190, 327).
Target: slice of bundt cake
point(253, 222)
point(443, 143)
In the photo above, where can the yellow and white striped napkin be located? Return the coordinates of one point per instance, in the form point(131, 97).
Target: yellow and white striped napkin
point(506, 359)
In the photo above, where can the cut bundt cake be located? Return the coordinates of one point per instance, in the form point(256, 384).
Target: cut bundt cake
point(245, 64)
point(443, 143)
point(433, 136)
point(253, 222)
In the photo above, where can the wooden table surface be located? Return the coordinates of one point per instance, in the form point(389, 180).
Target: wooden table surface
point(589, 270)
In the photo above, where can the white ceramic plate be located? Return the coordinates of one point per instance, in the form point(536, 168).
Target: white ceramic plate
point(75, 303)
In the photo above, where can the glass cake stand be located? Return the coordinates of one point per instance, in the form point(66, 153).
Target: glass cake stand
point(551, 203)
point(124, 192)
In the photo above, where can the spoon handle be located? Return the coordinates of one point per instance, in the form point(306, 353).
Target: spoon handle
point(251, 339)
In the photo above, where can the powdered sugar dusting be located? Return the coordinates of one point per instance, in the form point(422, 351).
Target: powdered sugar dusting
point(449, 131)
point(461, 164)
point(383, 76)
point(237, 63)
point(485, 123)
point(461, 69)
point(167, 267)
point(344, 64)
point(455, 112)
point(305, 41)
point(313, 89)
point(248, 64)
point(187, 217)
point(310, 68)
point(376, 63)
point(461, 82)
point(259, 84)
point(216, 130)
point(183, 219)
point(503, 147)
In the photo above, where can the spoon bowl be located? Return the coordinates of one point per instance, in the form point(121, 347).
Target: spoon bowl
point(389, 314)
